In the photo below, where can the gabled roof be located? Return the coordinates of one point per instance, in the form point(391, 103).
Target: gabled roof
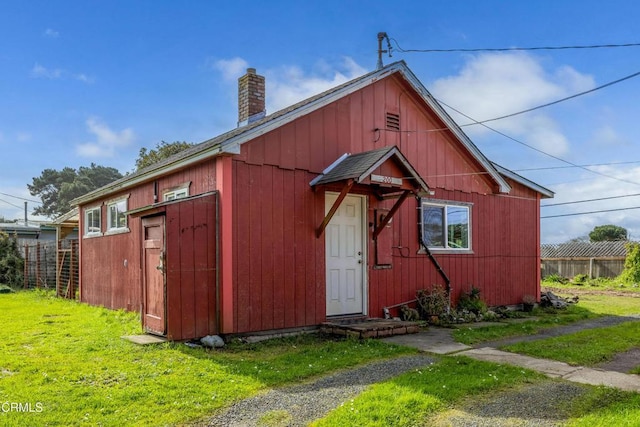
point(545, 192)
point(359, 166)
point(230, 142)
point(612, 249)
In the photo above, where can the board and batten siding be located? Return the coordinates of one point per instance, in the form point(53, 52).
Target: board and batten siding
point(110, 264)
point(278, 266)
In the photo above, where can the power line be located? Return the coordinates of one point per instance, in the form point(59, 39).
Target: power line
point(506, 49)
point(588, 213)
point(557, 101)
point(21, 198)
point(590, 200)
point(537, 149)
point(9, 203)
point(568, 167)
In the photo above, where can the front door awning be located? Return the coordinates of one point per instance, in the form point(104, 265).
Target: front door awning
point(386, 170)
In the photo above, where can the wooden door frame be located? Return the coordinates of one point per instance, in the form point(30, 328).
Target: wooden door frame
point(144, 276)
point(365, 248)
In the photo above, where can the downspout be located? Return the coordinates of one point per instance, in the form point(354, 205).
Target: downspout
point(435, 262)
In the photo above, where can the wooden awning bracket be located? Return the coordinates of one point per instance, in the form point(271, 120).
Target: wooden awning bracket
point(391, 213)
point(334, 208)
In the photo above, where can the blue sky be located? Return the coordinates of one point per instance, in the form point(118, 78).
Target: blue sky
point(94, 81)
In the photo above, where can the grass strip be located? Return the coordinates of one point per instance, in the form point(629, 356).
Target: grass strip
point(543, 318)
point(411, 397)
point(585, 348)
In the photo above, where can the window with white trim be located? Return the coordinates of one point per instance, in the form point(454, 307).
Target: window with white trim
point(116, 217)
point(179, 193)
point(92, 223)
point(446, 226)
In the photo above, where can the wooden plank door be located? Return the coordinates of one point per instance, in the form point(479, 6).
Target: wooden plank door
point(154, 277)
point(345, 256)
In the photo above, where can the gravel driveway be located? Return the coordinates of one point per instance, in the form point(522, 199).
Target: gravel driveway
point(314, 400)
point(542, 404)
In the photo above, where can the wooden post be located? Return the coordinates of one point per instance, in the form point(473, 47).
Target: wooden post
point(38, 265)
point(26, 266)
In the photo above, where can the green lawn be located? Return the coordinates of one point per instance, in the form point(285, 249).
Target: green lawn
point(65, 364)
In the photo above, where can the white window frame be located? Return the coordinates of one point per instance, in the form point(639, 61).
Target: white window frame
point(446, 207)
point(120, 206)
point(175, 193)
point(87, 213)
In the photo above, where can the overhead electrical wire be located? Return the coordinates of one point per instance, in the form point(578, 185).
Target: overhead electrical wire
point(567, 167)
point(506, 49)
point(590, 200)
point(9, 203)
point(630, 76)
point(21, 198)
point(588, 213)
point(537, 149)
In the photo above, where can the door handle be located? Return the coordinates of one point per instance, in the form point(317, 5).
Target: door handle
point(161, 266)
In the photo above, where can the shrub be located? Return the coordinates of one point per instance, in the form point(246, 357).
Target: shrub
point(580, 279)
point(631, 272)
point(555, 278)
point(472, 302)
point(434, 302)
point(11, 262)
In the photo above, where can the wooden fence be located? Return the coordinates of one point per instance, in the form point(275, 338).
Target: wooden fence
point(48, 265)
point(591, 267)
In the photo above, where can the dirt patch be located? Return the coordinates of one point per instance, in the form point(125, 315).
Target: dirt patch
point(593, 291)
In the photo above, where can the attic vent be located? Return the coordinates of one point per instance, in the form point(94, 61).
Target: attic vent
point(393, 121)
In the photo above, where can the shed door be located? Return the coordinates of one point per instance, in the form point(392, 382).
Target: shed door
point(154, 282)
point(345, 257)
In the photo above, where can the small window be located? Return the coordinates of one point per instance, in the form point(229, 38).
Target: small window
point(180, 193)
point(116, 217)
point(446, 226)
point(92, 224)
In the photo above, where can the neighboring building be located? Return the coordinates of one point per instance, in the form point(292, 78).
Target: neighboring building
point(594, 259)
point(322, 209)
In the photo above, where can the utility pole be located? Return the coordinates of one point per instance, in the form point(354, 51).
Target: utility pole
point(382, 36)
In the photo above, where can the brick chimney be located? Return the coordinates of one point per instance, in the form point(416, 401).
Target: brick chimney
point(251, 97)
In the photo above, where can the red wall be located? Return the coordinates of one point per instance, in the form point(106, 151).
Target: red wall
point(279, 263)
point(106, 279)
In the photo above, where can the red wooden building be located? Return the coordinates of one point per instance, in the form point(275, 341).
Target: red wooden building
point(322, 209)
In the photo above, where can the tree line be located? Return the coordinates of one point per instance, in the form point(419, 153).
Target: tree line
point(57, 188)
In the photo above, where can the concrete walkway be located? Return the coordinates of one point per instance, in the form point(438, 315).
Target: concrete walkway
point(440, 341)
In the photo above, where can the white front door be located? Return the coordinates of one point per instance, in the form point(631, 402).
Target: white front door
point(345, 256)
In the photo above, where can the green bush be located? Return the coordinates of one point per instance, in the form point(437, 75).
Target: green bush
point(11, 262)
point(580, 279)
point(472, 302)
point(555, 278)
point(631, 272)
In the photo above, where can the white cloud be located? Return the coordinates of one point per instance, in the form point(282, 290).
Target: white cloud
point(51, 33)
point(38, 71)
point(592, 186)
point(232, 68)
point(107, 141)
point(607, 136)
point(291, 84)
point(497, 84)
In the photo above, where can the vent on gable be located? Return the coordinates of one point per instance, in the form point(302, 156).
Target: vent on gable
point(393, 121)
